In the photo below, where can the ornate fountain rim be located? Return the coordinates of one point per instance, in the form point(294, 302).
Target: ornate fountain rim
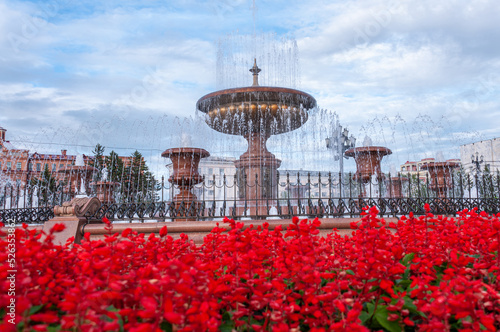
point(380, 149)
point(187, 150)
point(438, 164)
point(247, 94)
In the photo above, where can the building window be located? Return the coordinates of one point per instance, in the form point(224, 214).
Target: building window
point(221, 172)
point(61, 166)
point(30, 166)
point(403, 168)
point(18, 166)
point(54, 166)
point(210, 171)
point(38, 167)
point(9, 165)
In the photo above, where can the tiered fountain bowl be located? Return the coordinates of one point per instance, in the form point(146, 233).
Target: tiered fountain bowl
point(440, 174)
point(368, 160)
point(185, 175)
point(256, 113)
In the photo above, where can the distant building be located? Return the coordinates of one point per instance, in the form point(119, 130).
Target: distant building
point(489, 150)
point(216, 170)
point(414, 168)
point(19, 166)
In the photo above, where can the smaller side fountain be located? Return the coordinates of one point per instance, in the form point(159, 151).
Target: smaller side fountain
point(105, 188)
point(368, 160)
point(185, 175)
point(440, 176)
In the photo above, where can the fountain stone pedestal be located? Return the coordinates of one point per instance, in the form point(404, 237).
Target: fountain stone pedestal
point(440, 176)
point(185, 175)
point(396, 186)
point(104, 191)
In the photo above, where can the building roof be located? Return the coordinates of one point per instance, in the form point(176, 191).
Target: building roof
point(8, 145)
point(486, 140)
point(46, 156)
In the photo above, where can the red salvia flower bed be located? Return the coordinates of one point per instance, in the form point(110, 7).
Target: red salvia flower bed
point(427, 274)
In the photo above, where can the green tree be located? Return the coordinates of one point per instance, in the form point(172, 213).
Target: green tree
point(463, 182)
point(488, 183)
point(115, 167)
point(46, 186)
point(415, 187)
point(138, 182)
point(98, 161)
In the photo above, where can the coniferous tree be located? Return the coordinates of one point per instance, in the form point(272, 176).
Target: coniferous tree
point(138, 182)
point(98, 162)
point(46, 185)
point(115, 167)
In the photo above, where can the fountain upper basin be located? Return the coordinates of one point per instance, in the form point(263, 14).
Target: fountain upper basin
point(263, 109)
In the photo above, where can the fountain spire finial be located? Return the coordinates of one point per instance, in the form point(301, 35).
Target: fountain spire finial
point(255, 72)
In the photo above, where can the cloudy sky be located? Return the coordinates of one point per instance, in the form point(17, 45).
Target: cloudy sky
point(420, 77)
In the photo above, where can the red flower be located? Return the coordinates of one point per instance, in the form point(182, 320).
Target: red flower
point(163, 231)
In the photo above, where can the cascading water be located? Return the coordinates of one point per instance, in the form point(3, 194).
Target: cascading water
point(277, 56)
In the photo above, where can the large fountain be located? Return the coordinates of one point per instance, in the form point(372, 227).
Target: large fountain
point(256, 113)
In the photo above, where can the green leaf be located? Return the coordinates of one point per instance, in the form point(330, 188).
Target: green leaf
point(364, 316)
point(227, 327)
point(350, 272)
point(407, 259)
point(405, 283)
point(381, 316)
point(35, 309)
point(412, 307)
point(370, 307)
point(54, 328)
point(409, 305)
point(166, 326)
point(112, 308)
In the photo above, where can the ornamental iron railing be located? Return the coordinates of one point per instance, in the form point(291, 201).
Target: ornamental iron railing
point(305, 194)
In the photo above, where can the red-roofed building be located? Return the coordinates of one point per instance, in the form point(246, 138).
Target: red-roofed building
point(415, 168)
point(18, 166)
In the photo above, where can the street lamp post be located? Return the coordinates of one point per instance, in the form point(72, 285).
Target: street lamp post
point(339, 143)
point(477, 161)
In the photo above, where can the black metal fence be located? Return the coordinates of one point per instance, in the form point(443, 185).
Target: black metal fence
point(303, 194)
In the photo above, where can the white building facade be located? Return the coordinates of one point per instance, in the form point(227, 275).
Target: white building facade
point(488, 151)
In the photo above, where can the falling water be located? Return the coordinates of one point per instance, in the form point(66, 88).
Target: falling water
point(277, 56)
